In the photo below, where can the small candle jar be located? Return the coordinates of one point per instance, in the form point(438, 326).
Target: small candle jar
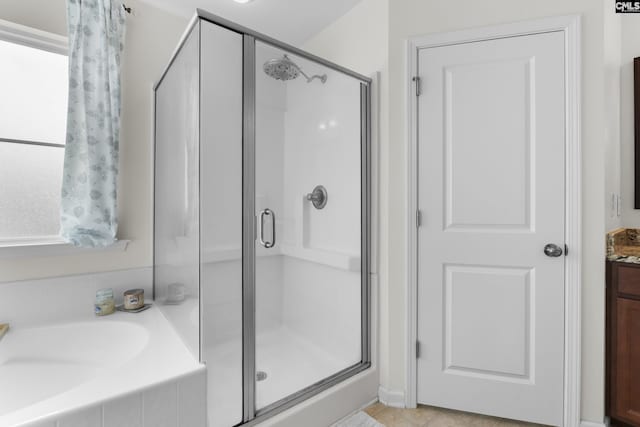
point(133, 299)
point(104, 302)
point(176, 293)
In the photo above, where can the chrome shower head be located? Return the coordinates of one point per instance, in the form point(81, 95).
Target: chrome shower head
point(281, 68)
point(285, 69)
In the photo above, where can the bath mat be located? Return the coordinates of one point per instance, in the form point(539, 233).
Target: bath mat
point(359, 419)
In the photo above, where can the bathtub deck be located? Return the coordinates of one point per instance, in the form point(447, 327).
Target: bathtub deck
point(57, 368)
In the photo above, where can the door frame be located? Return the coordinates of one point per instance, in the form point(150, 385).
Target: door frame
point(570, 26)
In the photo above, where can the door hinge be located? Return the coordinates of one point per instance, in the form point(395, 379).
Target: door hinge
point(418, 81)
point(566, 250)
point(417, 349)
point(418, 218)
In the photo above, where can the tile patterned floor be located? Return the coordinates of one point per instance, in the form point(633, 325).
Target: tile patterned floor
point(427, 416)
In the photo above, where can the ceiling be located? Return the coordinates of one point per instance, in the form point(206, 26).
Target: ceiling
point(291, 21)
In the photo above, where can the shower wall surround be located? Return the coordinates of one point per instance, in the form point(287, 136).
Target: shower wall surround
point(278, 291)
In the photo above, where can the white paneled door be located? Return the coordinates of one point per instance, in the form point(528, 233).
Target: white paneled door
point(491, 148)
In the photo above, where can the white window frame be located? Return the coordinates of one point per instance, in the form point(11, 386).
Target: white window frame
point(39, 245)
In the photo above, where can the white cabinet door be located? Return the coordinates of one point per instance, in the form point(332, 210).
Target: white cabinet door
point(491, 144)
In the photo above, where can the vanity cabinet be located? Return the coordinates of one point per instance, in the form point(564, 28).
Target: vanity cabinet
point(623, 344)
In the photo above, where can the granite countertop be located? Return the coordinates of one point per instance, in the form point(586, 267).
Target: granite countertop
point(623, 245)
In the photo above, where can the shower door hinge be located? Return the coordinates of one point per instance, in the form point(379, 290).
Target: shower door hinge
point(418, 82)
point(417, 349)
point(418, 218)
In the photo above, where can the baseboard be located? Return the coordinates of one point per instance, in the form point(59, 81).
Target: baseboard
point(391, 398)
point(592, 424)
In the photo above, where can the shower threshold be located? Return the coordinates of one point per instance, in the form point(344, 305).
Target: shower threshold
point(296, 369)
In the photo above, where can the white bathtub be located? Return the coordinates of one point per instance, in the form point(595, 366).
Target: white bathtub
point(50, 371)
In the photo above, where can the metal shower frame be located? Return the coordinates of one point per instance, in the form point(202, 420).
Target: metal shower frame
point(251, 415)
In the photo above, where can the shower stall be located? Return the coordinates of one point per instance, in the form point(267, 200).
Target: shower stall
point(262, 217)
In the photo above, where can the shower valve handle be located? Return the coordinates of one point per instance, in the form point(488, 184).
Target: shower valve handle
point(318, 197)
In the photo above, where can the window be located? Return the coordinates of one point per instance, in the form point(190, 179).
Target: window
point(33, 110)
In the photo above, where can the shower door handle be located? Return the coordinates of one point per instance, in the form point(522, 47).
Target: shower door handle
point(272, 243)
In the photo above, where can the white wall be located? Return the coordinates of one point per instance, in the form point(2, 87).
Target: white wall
point(630, 48)
point(46, 15)
point(612, 63)
point(151, 37)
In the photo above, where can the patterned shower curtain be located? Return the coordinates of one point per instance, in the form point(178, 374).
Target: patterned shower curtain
point(90, 175)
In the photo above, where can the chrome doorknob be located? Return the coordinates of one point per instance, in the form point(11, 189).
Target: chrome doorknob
point(552, 250)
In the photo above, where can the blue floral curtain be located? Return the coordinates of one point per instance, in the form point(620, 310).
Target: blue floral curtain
point(90, 175)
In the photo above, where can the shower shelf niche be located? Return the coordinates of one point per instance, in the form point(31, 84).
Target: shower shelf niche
point(222, 254)
point(342, 261)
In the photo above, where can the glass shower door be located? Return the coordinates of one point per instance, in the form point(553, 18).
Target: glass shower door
point(261, 221)
point(308, 284)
